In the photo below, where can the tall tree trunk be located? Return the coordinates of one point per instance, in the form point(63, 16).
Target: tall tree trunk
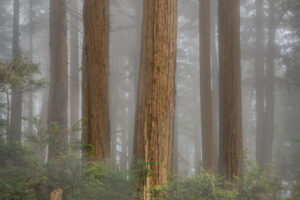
point(16, 98)
point(270, 76)
point(215, 79)
point(208, 140)
point(74, 69)
point(259, 84)
point(30, 94)
point(153, 140)
point(16, 31)
point(58, 91)
point(230, 90)
point(137, 57)
point(95, 78)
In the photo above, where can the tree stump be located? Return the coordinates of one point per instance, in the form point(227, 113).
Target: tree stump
point(56, 194)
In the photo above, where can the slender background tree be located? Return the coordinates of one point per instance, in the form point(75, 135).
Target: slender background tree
point(58, 88)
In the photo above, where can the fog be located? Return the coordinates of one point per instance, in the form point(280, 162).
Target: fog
point(270, 74)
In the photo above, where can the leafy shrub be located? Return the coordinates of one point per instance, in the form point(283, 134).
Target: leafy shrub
point(255, 185)
point(296, 189)
point(258, 184)
point(24, 176)
point(21, 175)
point(204, 186)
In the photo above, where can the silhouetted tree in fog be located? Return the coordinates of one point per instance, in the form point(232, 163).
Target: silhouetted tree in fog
point(17, 96)
point(58, 88)
point(259, 82)
point(30, 94)
point(74, 66)
point(208, 139)
point(270, 82)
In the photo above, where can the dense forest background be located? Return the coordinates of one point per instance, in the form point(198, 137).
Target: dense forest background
point(152, 99)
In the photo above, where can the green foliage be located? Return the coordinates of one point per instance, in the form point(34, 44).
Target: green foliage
point(19, 75)
point(255, 185)
point(296, 189)
point(203, 186)
point(24, 176)
point(21, 174)
point(259, 184)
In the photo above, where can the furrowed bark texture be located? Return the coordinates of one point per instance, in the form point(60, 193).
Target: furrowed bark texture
point(153, 140)
point(230, 90)
point(208, 140)
point(16, 97)
point(259, 84)
point(58, 89)
point(95, 78)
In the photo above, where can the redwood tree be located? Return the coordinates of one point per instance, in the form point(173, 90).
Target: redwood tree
point(95, 78)
point(58, 89)
point(270, 80)
point(230, 90)
point(74, 67)
point(208, 140)
point(153, 140)
point(259, 83)
point(15, 127)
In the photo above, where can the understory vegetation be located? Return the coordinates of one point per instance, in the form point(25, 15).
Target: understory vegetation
point(24, 176)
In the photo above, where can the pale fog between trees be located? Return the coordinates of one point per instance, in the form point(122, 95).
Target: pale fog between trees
point(149, 99)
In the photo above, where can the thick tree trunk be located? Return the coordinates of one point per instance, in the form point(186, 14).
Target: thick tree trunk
point(74, 68)
point(230, 90)
point(259, 84)
point(270, 81)
point(58, 91)
point(95, 78)
point(208, 140)
point(16, 97)
point(153, 140)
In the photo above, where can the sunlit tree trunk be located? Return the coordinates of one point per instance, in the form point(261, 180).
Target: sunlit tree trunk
point(259, 84)
point(95, 78)
point(58, 89)
point(153, 140)
point(16, 98)
point(74, 67)
point(270, 76)
point(230, 90)
point(208, 140)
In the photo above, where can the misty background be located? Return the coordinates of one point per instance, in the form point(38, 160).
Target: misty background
point(124, 60)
